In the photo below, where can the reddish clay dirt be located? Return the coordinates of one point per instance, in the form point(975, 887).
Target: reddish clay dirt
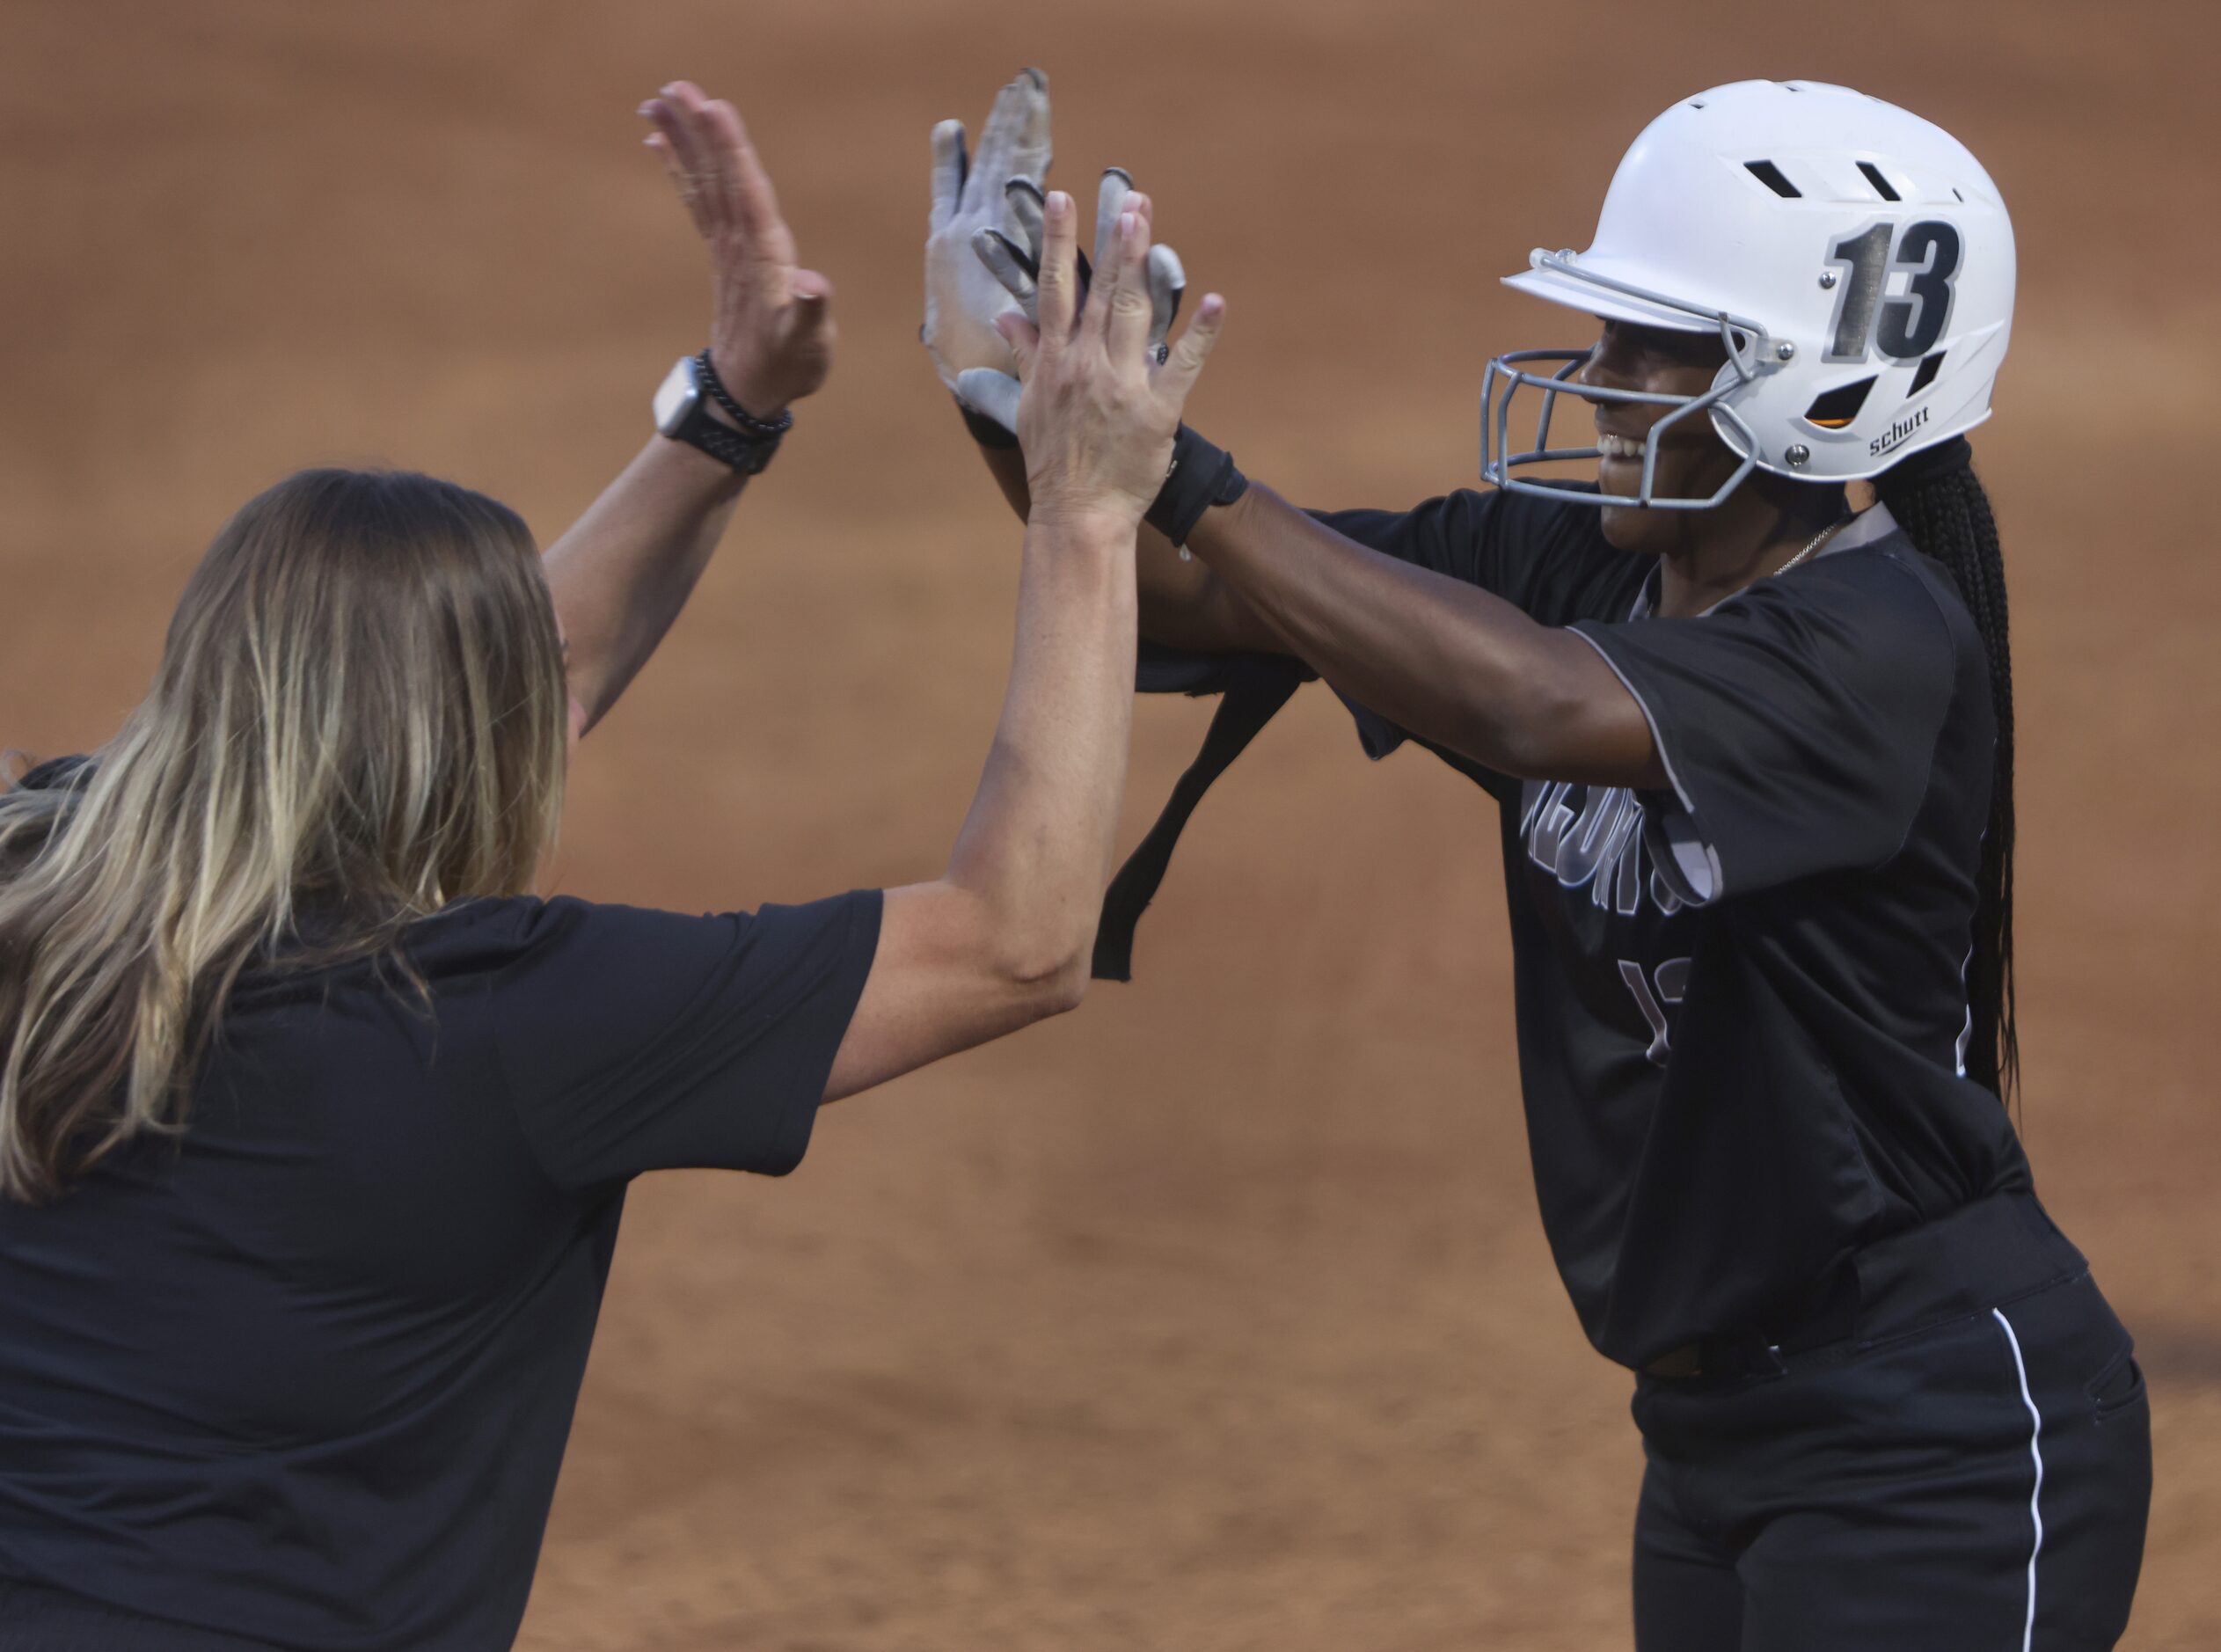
point(1217, 1315)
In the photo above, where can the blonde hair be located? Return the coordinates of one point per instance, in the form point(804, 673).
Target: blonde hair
point(360, 718)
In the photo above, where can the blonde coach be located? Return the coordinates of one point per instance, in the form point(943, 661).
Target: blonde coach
point(316, 1122)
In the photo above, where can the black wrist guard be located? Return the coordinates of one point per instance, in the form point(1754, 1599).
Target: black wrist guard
point(1201, 476)
point(984, 430)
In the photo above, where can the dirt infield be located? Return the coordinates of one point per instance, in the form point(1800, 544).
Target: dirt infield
point(1216, 1316)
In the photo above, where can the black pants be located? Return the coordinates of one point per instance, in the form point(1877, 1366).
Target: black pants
point(1970, 1470)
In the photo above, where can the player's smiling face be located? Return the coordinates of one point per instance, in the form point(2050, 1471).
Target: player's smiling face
point(1692, 460)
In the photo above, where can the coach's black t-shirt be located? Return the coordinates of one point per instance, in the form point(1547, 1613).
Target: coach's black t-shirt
point(304, 1375)
point(1741, 1010)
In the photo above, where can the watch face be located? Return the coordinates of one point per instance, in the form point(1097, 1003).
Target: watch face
point(677, 396)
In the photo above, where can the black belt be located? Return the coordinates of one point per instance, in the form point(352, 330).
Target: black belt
point(1980, 1255)
point(1831, 1322)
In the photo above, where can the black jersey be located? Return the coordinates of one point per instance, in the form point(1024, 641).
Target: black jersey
point(1741, 1012)
point(302, 1375)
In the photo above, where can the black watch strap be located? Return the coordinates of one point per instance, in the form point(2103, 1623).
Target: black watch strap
point(747, 450)
point(754, 428)
point(747, 455)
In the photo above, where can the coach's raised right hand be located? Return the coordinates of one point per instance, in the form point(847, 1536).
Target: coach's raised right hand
point(772, 331)
point(1097, 414)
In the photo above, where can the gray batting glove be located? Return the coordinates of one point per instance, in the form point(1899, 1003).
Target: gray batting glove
point(961, 298)
point(1012, 253)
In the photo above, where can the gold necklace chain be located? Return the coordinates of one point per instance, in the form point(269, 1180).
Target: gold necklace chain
point(1812, 545)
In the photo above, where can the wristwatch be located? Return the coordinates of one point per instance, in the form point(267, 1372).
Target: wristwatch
point(682, 413)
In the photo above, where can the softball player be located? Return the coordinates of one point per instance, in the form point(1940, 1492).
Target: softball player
point(1753, 754)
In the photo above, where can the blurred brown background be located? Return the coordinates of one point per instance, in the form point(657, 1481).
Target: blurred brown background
point(1217, 1315)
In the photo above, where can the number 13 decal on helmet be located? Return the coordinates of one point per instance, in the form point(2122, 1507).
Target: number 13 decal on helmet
point(1909, 323)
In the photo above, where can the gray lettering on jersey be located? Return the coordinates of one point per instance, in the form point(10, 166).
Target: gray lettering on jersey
point(1532, 794)
point(1570, 848)
point(1624, 856)
point(1672, 985)
point(1966, 1032)
point(1596, 836)
point(1630, 972)
point(1546, 820)
point(1600, 847)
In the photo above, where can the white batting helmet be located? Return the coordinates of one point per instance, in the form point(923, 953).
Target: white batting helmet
point(1855, 259)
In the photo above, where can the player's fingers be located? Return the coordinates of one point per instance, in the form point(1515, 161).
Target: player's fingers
point(1023, 337)
point(1122, 292)
point(999, 253)
point(1022, 215)
point(1110, 200)
point(1030, 155)
point(1185, 364)
point(948, 167)
point(1167, 282)
point(1057, 282)
point(1009, 266)
point(997, 139)
point(1135, 202)
point(985, 391)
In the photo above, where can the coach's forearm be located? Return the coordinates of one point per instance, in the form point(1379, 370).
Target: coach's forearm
point(1443, 659)
point(1036, 847)
point(622, 573)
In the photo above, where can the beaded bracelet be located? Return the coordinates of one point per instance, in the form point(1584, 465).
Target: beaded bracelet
point(754, 428)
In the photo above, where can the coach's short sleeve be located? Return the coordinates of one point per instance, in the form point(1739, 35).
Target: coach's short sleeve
point(631, 1041)
point(1798, 721)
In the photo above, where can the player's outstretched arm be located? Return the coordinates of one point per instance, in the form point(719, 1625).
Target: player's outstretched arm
point(1004, 936)
point(1444, 659)
point(626, 568)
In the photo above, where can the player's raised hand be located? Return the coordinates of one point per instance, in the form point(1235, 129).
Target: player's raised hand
point(1098, 409)
point(771, 333)
point(1012, 253)
point(962, 300)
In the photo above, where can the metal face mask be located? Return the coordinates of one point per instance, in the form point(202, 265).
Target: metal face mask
point(1746, 344)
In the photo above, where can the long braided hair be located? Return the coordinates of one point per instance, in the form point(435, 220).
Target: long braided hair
point(1938, 501)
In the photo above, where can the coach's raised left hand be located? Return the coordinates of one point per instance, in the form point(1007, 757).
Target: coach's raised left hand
point(771, 337)
point(1098, 410)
